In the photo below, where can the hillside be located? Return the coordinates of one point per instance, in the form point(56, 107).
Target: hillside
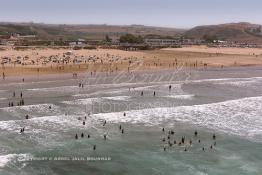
point(240, 32)
point(48, 31)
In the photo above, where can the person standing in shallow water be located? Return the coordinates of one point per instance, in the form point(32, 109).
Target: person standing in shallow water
point(214, 137)
point(196, 133)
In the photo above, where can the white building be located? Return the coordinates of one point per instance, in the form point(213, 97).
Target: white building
point(162, 42)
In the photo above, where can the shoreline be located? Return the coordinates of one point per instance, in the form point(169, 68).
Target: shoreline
point(66, 76)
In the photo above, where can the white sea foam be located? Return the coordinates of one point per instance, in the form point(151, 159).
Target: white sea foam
point(40, 125)
point(118, 98)
point(5, 159)
point(183, 97)
point(227, 79)
point(56, 89)
point(38, 108)
point(87, 101)
point(240, 117)
point(239, 83)
point(109, 92)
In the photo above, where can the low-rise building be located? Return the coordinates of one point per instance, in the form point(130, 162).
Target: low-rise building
point(162, 42)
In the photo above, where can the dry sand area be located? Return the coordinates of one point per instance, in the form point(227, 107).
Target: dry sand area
point(47, 60)
point(222, 50)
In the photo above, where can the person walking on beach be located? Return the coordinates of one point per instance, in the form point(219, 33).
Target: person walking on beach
point(3, 76)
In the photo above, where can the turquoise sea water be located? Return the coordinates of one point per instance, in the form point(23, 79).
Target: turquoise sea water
point(226, 103)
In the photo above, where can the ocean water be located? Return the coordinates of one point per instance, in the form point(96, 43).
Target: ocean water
point(226, 102)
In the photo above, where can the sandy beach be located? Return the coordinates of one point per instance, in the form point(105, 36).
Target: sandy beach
point(52, 61)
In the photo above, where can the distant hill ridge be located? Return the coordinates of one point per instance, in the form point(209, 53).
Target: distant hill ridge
point(239, 32)
point(56, 31)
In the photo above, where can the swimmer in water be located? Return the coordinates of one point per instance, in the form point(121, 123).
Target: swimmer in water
point(82, 135)
point(76, 136)
point(214, 137)
point(195, 133)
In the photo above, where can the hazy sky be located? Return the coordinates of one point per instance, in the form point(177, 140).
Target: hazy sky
point(171, 13)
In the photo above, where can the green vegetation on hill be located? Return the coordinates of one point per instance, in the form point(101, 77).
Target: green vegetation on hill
point(88, 32)
point(234, 32)
point(129, 38)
